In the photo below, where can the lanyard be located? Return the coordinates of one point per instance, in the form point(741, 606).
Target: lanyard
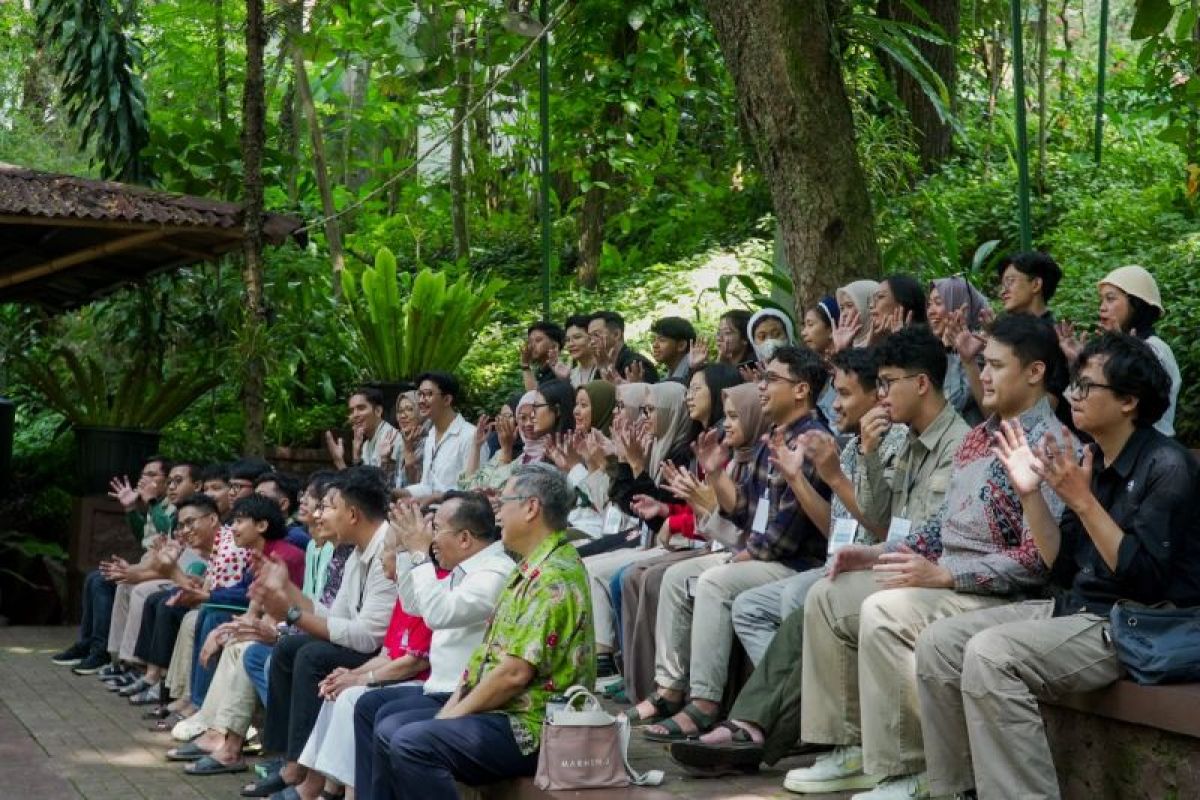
point(362, 588)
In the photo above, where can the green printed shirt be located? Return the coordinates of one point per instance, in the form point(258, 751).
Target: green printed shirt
point(543, 617)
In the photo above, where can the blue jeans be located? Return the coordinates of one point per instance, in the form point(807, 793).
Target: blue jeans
point(390, 707)
point(98, 594)
point(201, 675)
point(427, 757)
point(257, 663)
point(614, 591)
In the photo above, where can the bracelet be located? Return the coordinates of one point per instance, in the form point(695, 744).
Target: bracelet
point(370, 676)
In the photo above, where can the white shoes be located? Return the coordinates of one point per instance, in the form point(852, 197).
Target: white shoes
point(899, 787)
point(836, 771)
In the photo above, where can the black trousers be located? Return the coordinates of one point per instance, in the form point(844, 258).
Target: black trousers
point(298, 666)
point(159, 629)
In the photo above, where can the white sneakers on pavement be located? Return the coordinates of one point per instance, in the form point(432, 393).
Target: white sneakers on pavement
point(839, 770)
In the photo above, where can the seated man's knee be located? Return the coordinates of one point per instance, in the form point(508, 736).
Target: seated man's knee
point(888, 610)
point(985, 653)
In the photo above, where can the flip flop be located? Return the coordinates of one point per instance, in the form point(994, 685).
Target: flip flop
point(663, 709)
point(187, 752)
point(703, 722)
point(210, 766)
point(737, 757)
point(265, 787)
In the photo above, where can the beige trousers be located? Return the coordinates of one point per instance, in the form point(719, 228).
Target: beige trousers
point(859, 666)
point(230, 702)
point(600, 569)
point(695, 635)
point(179, 672)
point(128, 605)
point(979, 679)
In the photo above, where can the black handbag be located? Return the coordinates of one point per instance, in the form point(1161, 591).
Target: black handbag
point(1157, 644)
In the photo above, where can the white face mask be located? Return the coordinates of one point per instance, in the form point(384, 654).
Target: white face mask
point(767, 348)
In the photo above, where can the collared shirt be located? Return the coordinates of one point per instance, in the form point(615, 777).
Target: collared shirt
point(682, 371)
point(790, 537)
point(853, 465)
point(371, 454)
point(1149, 491)
point(544, 618)
point(359, 616)
point(444, 458)
point(456, 609)
point(157, 520)
point(916, 485)
point(979, 533)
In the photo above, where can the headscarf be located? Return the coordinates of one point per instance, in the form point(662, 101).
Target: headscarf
point(788, 328)
point(631, 395)
point(956, 293)
point(534, 446)
point(860, 294)
point(673, 425)
point(829, 308)
point(422, 424)
point(604, 402)
point(745, 399)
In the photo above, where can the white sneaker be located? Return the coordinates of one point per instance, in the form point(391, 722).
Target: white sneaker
point(837, 771)
point(187, 729)
point(899, 787)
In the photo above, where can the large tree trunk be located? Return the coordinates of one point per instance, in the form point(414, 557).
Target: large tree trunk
point(462, 100)
point(253, 137)
point(933, 134)
point(792, 103)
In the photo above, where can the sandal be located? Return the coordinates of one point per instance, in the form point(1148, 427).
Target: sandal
point(740, 756)
point(210, 766)
point(187, 752)
point(663, 709)
point(265, 787)
point(704, 723)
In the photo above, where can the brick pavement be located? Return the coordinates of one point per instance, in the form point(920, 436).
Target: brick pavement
point(64, 736)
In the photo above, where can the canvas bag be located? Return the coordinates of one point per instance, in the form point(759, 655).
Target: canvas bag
point(1157, 644)
point(584, 747)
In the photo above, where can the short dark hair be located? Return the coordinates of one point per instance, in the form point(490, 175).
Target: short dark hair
point(676, 328)
point(805, 366)
point(363, 487)
point(261, 509)
point(319, 480)
point(248, 469)
point(909, 294)
point(193, 469)
point(611, 319)
point(444, 381)
point(289, 486)
point(560, 396)
point(215, 472)
point(372, 394)
point(914, 348)
point(577, 321)
point(1034, 264)
point(160, 459)
point(1131, 369)
point(549, 328)
point(198, 500)
point(739, 318)
point(474, 513)
point(859, 362)
point(1033, 339)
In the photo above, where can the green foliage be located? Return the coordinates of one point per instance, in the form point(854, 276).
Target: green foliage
point(97, 60)
point(404, 325)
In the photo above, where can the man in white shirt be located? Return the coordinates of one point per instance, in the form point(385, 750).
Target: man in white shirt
point(346, 634)
point(463, 538)
point(449, 441)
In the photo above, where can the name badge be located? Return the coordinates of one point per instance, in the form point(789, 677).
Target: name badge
point(898, 530)
point(842, 533)
point(759, 525)
point(691, 586)
point(613, 519)
point(646, 536)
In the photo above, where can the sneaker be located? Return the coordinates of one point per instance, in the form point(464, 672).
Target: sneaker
point(837, 771)
point(71, 656)
point(93, 663)
point(899, 787)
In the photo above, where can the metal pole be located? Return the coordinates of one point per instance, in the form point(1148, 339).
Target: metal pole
point(544, 119)
point(1101, 68)
point(1022, 137)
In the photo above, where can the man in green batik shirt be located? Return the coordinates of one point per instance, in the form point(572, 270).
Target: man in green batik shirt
point(539, 643)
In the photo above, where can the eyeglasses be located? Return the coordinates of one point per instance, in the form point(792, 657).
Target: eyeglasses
point(524, 418)
point(1082, 388)
point(506, 415)
point(238, 486)
point(188, 523)
point(515, 498)
point(884, 385)
point(775, 377)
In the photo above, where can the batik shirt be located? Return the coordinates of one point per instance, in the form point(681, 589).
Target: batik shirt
point(544, 618)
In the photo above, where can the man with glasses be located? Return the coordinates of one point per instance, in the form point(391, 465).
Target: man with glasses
point(1027, 284)
point(243, 474)
point(538, 643)
point(461, 537)
point(449, 442)
point(1129, 533)
point(976, 551)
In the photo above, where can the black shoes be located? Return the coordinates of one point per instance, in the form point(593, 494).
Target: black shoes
point(91, 664)
point(71, 656)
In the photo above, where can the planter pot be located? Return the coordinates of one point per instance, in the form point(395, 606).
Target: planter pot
point(391, 390)
point(103, 453)
point(300, 461)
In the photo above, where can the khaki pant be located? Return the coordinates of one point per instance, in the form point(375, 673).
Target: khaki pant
point(600, 569)
point(230, 702)
point(859, 666)
point(179, 671)
point(979, 678)
point(695, 636)
point(128, 604)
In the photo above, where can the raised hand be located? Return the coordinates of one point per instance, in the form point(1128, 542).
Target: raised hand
point(506, 433)
point(647, 507)
point(483, 427)
point(966, 342)
point(751, 373)
point(414, 530)
point(387, 444)
point(821, 450)
point(684, 485)
point(1022, 464)
point(848, 327)
point(526, 355)
point(356, 444)
point(1070, 479)
point(873, 427)
point(698, 354)
point(710, 453)
point(561, 369)
point(592, 450)
point(336, 448)
point(123, 492)
point(1070, 341)
point(564, 450)
point(635, 372)
point(788, 459)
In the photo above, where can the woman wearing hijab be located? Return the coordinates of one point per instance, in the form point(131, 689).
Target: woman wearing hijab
point(950, 299)
point(595, 403)
point(820, 322)
point(406, 451)
point(854, 321)
point(540, 414)
point(770, 329)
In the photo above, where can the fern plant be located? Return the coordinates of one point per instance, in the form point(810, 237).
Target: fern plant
point(403, 325)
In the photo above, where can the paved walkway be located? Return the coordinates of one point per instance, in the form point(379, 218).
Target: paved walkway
point(64, 736)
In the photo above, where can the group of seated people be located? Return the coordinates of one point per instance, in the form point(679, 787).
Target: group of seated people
point(911, 522)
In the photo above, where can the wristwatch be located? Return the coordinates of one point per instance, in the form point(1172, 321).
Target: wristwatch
point(293, 615)
point(419, 558)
